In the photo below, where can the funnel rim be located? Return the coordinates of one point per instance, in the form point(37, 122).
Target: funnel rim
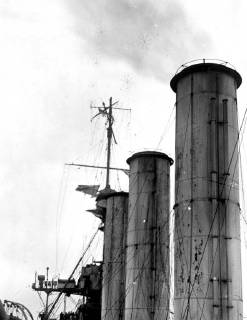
point(155, 154)
point(202, 67)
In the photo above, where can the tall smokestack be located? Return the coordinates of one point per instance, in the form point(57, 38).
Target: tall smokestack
point(207, 214)
point(147, 254)
point(113, 287)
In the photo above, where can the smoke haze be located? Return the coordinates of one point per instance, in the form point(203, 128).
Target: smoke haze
point(153, 37)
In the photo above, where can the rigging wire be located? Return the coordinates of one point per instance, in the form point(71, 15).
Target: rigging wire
point(128, 261)
point(60, 206)
point(146, 178)
point(98, 156)
point(145, 181)
point(72, 273)
point(133, 283)
point(235, 167)
point(40, 298)
point(214, 216)
point(243, 199)
point(67, 250)
point(243, 213)
point(167, 126)
point(53, 314)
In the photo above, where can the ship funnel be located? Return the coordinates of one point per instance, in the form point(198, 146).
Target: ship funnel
point(207, 214)
point(147, 253)
point(113, 286)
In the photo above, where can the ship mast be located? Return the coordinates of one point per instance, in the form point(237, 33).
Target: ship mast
point(68, 287)
point(108, 113)
point(109, 139)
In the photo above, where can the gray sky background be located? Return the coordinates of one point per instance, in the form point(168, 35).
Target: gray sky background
point(58, 57)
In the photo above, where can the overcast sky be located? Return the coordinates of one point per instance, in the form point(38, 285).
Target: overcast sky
point(57, 58)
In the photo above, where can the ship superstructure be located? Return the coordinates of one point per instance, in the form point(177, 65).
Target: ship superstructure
point(134, 280)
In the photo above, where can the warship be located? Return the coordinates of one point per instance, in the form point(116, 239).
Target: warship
point(161, 262)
